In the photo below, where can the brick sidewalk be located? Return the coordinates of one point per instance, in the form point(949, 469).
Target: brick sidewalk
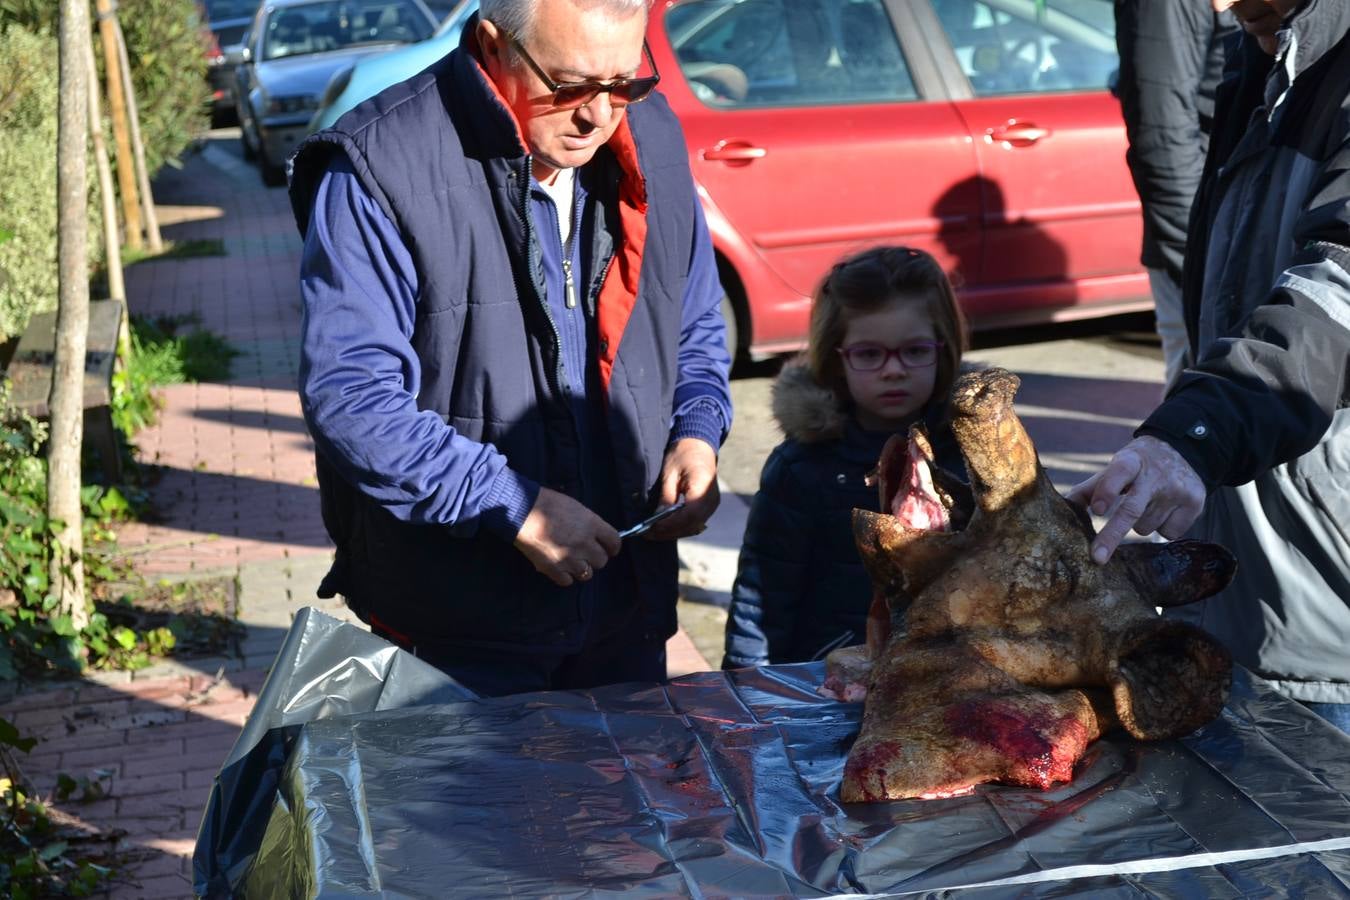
point(236, 493)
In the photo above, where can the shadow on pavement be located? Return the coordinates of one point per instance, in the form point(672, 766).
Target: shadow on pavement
point(254, 419)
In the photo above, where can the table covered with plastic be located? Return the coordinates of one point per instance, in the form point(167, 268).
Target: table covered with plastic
point(364, 772)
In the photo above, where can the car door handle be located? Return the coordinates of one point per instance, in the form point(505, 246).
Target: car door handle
point(735, 152)
point(1017, 134)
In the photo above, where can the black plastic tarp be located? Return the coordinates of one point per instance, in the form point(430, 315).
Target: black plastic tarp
point(726, 784)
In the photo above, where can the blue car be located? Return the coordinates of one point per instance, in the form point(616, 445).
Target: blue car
point(369, 75)
point(292, 50)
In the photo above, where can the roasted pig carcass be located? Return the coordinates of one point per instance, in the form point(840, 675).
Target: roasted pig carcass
point(1016, 649)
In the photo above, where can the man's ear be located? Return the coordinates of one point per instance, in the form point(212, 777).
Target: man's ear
point(491, 43)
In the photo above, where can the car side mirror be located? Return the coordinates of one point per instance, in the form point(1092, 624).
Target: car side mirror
point(236, 55)
point(245, 54)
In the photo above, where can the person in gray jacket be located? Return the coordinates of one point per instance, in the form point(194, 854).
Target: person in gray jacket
point(1252, 447)
point(1171, 59)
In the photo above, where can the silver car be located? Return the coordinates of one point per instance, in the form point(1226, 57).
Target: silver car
point(293, 48)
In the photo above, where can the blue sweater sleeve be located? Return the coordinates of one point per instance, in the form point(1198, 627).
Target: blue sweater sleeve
point(359, 376)
point(702, 394)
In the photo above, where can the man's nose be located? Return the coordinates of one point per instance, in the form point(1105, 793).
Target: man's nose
point(598, 110)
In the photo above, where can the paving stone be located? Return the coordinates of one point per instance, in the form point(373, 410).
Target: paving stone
point(109, 678)
point(164, 887)
point(211, 749)
point(160, 757)
point(157, 863)
point(88, 739)
point(165, 804)
point(195, 728)
point(59, 698)
point(77, 761)
point(147, 784)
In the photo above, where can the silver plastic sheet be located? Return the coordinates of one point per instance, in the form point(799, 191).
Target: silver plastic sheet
point(324, 668)
point(726, 784)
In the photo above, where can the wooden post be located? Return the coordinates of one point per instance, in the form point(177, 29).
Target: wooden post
point(66, 403)
point(152, 236)
point(117, 288)
point(117, 111)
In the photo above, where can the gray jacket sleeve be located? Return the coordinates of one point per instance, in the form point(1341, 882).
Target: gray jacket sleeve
point(1267, 394)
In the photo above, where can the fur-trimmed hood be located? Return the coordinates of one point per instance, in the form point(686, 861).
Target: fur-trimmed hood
point(806, 411)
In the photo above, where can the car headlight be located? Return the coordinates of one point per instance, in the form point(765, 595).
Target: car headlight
point(297, 103)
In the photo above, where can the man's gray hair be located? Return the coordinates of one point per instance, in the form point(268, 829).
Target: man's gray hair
point(517, 16)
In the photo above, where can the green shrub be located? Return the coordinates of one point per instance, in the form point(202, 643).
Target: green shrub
point(168, 66)
point(38, 857)
point(164, 350)
point(28, 97)
point(168, 71)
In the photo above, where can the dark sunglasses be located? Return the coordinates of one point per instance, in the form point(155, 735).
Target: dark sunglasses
point(570, 95)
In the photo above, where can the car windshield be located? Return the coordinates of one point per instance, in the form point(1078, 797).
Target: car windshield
point(224, 10)
point(332, 25)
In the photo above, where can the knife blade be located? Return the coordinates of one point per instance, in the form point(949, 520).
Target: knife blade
point(646, 524)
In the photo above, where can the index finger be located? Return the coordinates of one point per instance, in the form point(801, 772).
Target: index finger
point(1116, 527)
point(1081, 493)
point(1112, 482)
point(608, 539)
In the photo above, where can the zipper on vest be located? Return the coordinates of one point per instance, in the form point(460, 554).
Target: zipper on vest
point(530, 267)
point(567, 280)
point(574, 217)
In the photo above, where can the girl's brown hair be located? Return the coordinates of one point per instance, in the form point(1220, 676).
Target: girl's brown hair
point(869, 281)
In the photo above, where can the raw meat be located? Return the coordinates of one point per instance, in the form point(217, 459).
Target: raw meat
point(1017, 650)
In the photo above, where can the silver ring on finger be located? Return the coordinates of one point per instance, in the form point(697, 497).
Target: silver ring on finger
point(586, 572)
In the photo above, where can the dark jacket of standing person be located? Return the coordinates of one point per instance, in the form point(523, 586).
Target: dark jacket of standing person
point(427, 554)
point(1262, 418)
point(799, 546)
point(1171, 60)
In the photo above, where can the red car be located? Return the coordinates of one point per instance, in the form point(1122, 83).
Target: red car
point(982, 131)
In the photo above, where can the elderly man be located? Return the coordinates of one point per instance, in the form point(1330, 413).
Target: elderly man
point(513, 347)
point(1257, 431)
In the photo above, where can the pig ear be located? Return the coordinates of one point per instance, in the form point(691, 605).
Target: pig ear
point(1178, 572)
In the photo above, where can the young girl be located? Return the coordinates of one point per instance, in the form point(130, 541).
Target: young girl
point(885, 344)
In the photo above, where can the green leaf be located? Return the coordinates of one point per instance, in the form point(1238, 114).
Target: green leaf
point(114, 503)
point(63, 626)
point(124, 636)
point(9, 735)
point(65, 786)
point(53, 850)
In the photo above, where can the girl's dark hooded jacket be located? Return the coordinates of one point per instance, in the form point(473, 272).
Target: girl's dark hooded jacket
point(800, 588)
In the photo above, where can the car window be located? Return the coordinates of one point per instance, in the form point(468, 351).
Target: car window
point(759, 53)
point(332, 25)
point(221, 10)
point(1031, 46)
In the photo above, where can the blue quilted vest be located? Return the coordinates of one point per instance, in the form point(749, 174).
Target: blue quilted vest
point(443, 157)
